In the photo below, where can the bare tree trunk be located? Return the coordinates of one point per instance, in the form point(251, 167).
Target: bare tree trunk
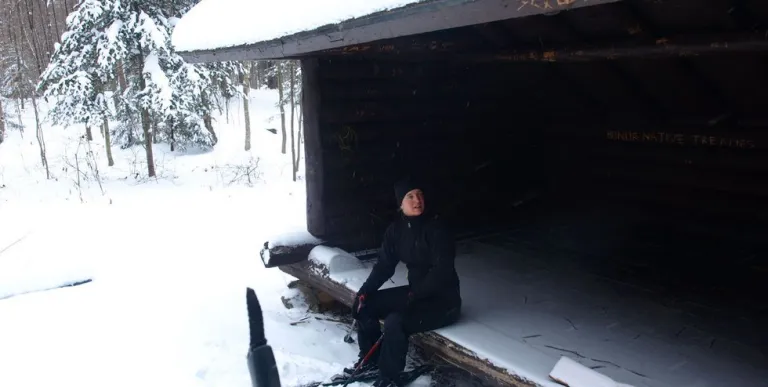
point(2, 122)
point(18, 112)
point(121, 76)
point(108, 143)
point(246, 110)
point(122, 85)
point(208, 122)
point(32, 38)
point(292, 69)
point(145, 123)
point(56, 22)
point(299, 138)
point(88, 133)
point(17, 50)
point(153, 120)
point(255, 74)
point(172, 133)
point(40, 139)
point(282, 108)
point(46, 28)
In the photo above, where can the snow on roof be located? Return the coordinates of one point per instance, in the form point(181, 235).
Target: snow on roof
point(214, 24)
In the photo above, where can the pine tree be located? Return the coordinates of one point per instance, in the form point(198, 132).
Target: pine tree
point(74, 71)
point(170, 99)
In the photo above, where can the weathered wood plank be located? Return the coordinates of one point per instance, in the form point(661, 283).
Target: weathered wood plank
point(674, 46)
point(475, 82)
point(345, 69)
point(313, 158)
point(273, 256)
point(396, 112)
point(388, 135)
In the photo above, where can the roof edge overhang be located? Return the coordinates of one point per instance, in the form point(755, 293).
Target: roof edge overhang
point(408, 20)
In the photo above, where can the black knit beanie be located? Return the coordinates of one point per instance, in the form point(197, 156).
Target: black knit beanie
point(404, 186)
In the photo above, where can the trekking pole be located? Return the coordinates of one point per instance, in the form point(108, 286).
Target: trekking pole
point(365, 360)
point(260, 359)
point(348, 337)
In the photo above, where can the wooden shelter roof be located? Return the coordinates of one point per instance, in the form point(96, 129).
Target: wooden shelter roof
point(412, 19)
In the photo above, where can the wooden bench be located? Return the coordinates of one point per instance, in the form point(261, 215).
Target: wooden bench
point(316, 274)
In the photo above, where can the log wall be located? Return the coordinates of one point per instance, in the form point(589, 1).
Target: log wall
point(487, 133)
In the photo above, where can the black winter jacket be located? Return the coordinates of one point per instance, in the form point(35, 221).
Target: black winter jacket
point(428, 251)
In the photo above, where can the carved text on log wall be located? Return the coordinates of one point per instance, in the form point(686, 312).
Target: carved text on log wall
point(680, 139)
point(544, 4)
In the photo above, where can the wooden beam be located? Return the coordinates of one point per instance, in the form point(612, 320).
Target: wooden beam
point(313, 154)
point(463, 49)
point(467, 360)
point(316, 275)
point(438, 42)
point(681, 46)
point(273, 256)
point(419, 18)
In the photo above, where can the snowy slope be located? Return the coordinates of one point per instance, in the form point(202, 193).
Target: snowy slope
point(170, 261)
point(224, 23)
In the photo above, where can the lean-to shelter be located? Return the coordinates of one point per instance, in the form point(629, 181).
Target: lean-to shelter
point(603, 165)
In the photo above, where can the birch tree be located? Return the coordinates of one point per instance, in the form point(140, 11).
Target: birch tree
point(2, 122)
point(291, 69)
point(246, 110)
point(281, 104)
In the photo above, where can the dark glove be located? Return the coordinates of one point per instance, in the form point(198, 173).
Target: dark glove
point(358, 305)
point(411, 297)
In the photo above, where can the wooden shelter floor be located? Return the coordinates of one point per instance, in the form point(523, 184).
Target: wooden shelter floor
point(525, 307)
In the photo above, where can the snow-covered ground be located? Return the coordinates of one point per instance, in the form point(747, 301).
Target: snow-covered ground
point(169, 258)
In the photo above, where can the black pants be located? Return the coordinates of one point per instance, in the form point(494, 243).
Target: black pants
point(399, 323)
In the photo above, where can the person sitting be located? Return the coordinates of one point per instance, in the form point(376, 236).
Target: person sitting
point(431, 300)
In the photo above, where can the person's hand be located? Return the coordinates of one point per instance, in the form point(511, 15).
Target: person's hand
point(411, 297)
point(358, 305)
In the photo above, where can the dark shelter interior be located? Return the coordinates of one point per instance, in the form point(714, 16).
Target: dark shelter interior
point(628, 140)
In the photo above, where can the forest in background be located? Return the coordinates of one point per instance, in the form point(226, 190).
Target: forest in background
point(109, 66)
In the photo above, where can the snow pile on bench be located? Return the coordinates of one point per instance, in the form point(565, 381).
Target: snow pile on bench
point(294, 238)
point(346, 269)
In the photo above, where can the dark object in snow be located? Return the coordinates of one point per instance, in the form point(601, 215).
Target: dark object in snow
point(71, 284)
point(272, 130)
point(78, 283)
point(261, 359)
point(406, 377)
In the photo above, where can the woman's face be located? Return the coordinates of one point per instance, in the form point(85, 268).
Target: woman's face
point(413, 203)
